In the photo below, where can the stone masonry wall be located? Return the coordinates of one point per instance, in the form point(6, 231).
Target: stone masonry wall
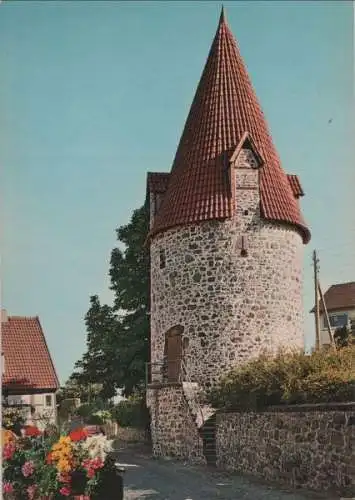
point(311, 448)
point(131, 435)
point(173, 429)
point(231, 306)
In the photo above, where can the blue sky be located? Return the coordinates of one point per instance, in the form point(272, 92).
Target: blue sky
point(95, 94)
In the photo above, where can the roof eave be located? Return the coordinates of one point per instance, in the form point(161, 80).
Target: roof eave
point(24, 390)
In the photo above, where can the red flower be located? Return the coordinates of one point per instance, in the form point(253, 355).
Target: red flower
point(78, 434)
point(90, 473)
point(64, 477)
point(49, 458)
point(65, 491)
point(91, 465)
point(31, 491)
point(8, 451)
point(7, 487)
point(31, 431)
point(28, 468)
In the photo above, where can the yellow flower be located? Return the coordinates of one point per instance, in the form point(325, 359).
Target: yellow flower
point(62, 454)
point(63, 465)
point(7, 436)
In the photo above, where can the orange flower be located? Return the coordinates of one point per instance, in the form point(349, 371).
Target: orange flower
point(49, 458)
point(78, 434)
point(7, 436)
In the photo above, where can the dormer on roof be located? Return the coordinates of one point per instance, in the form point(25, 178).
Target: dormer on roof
point(247, 143)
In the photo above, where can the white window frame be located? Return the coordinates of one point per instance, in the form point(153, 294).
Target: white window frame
point(45, 401)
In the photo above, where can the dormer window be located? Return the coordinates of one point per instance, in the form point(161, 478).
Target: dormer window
point(162, 259)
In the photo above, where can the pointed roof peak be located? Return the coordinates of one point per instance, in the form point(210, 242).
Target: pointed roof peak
point(225, 107)
point(222, 17)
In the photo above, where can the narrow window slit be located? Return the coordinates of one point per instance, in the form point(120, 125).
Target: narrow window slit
point(244, 251)
point(162, 259)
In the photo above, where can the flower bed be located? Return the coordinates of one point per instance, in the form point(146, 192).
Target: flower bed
point(46, 466)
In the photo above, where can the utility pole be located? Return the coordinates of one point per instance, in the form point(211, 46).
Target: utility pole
point(330, 333)
point(316, 298)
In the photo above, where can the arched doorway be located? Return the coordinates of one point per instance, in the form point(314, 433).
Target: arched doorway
point(173, 353)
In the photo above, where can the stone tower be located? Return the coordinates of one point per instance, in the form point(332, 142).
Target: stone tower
point(226, 232)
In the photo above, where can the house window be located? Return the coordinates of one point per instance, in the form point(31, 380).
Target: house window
point(48, 400)
point(336, 320)
point(162, 259)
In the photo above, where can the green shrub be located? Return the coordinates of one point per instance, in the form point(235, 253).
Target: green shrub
point(94, 419)
point(94, 413)
point(104, 415)
point(85, 410)
point(131, 413)
point(343, 337)
point(288, 378)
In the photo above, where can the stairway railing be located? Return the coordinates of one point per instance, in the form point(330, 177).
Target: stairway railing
point(157, 373)
point(196, 407)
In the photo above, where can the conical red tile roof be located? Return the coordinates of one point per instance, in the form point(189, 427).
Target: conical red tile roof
point(224, 108)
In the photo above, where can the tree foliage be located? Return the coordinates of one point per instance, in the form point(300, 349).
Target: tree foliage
point(118, 335)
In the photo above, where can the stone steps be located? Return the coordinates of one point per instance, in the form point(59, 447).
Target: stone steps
point(200, 412)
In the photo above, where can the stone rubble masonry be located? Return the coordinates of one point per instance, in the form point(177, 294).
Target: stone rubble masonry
point(309, 448)
point(131, 435)
point(173, 429)
point(232, 307)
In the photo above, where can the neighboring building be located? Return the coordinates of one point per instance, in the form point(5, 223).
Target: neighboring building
point(340, 303)
point(226, 238)
point(29, 380)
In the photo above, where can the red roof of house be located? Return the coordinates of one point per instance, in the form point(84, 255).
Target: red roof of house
point(224, 108)
point(28, 363)
point(339, 297)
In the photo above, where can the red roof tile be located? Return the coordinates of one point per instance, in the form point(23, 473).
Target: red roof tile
point(339, 297)
point(295, 185)
point(224, 108)
point(28, 363)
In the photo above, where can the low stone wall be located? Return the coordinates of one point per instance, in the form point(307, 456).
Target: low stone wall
point(173, 429)
point(305, 446)
point(131, 435)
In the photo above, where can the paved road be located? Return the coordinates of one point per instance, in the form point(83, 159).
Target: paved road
point(149, 479)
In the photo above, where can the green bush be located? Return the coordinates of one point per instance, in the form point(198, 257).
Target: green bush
point(94, 419)
point(288, 378)
point(85, 410)
point(92, 415)
point(131, 413)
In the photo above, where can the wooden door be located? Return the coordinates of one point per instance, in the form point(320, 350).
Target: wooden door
point(174, 354)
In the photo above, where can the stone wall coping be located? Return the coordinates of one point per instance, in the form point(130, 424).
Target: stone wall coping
point(350, 406)
point(161, 385)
